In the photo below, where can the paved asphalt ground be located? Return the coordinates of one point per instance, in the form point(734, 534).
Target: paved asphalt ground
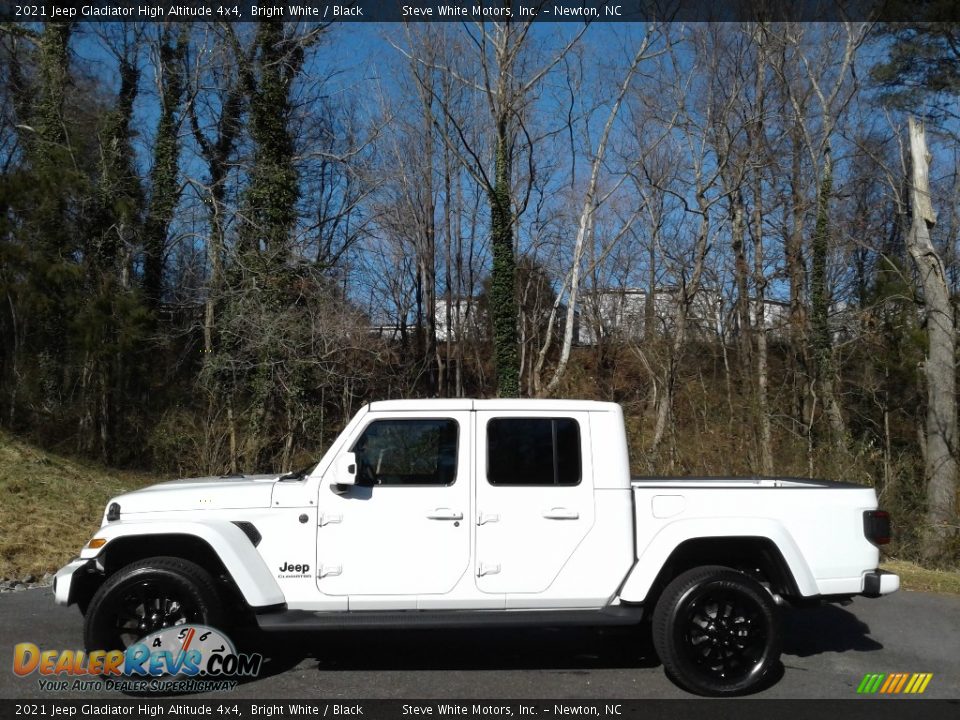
point(827, 651)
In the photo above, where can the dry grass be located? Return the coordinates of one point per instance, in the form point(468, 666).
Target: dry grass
point(914, 577)
point(50, 505)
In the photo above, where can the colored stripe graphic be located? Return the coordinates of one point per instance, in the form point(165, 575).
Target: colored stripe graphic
point(894, 683)
point(900, 683)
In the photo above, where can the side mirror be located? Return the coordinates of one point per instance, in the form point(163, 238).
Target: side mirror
point(345, 472)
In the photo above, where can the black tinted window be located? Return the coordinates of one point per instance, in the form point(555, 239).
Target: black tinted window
point(533, 451)
point(407, 452)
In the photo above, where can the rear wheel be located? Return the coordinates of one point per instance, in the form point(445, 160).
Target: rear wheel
point(717, 631)
point(147, 596)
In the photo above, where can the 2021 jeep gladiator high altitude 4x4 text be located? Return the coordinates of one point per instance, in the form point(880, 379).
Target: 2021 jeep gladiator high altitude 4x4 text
point(438, 513)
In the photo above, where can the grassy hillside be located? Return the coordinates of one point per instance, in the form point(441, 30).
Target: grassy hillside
point(50, 505)
point(921, 579)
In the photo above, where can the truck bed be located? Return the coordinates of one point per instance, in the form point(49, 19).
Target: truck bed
point(739, 482)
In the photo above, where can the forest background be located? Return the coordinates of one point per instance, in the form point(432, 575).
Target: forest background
point(218, 241)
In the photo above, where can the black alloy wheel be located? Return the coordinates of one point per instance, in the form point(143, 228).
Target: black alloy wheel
point(147, 596)
point(717, 631)
point(149, 605)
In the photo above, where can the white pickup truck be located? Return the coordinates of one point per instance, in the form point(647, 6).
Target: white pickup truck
point(440, 513)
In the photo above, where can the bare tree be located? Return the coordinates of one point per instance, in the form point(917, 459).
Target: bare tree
point(940, 365)
point(593, 199)
point(506, 80)
point(828, 85)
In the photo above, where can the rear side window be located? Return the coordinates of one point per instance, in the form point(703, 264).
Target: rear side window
point(533, 451)
point(407, 452)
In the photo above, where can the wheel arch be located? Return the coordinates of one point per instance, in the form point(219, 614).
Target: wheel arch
point(771, 557)
point(222, 549)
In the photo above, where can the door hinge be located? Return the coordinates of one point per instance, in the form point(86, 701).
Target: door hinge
point(330, 518)
point(488, 569)
point(328, 571)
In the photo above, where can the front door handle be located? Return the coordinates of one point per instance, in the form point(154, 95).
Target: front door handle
point(560, 513)
point(444, 514)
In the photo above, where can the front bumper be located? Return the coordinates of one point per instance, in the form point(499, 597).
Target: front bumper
point(880, 582)
point(64, 582)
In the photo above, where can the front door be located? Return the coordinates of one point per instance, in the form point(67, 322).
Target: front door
point(534, 498)
point(404, 529)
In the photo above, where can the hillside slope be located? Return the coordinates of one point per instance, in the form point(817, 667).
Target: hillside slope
point(50, 505)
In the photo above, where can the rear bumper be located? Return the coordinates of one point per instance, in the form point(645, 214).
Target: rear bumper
point(880, 582)
point(64, 582)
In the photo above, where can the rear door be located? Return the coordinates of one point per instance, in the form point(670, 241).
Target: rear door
point(404, 529)
point(534, 497)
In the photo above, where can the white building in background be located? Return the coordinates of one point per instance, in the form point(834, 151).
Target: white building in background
point(464, 319)
point(621, 314)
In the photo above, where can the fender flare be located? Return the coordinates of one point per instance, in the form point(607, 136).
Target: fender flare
point(231, 545)
point(645, 571)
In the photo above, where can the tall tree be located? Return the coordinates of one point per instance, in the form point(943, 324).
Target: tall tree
point(939, 367)
point(507, 84)
point(272, 194)
point(171, 50)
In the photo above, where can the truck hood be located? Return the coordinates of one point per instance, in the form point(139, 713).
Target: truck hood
point(205, 493)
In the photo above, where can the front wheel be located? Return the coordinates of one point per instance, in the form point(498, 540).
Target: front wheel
point(717, 631)
point(147, 596)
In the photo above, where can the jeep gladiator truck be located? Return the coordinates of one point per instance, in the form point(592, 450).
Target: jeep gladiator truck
point(452, 513)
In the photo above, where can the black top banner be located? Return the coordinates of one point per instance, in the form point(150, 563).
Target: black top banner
point(575, 11)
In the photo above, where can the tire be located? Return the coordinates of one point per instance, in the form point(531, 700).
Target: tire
point(146, 596)
point(717, 632)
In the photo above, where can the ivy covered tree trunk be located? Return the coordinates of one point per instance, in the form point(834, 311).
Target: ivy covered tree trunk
point(48, 122)
point(820, 308)
point(503, 303)
point(271, 198)
point(266, 283)
point(109, 313)
point(163, 177)
point(46, 147)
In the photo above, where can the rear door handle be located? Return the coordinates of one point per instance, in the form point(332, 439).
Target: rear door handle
point(561, 513)
point(444, 514)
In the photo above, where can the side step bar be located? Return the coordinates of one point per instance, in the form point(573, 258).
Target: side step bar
point(291, 620)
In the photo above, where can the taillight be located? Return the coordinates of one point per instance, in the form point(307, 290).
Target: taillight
point(876, 526)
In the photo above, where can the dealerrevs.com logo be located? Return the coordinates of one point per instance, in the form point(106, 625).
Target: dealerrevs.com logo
point(182, 658)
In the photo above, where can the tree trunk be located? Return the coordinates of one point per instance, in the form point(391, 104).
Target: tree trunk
point(940, 365)
point(820, 308)
point(756, 133)
point(503, 303)
point(796, 273)
point(759, 321)
point(165, 189)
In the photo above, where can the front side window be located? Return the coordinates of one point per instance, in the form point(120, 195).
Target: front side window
point(407, 452)
point(533, 451)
